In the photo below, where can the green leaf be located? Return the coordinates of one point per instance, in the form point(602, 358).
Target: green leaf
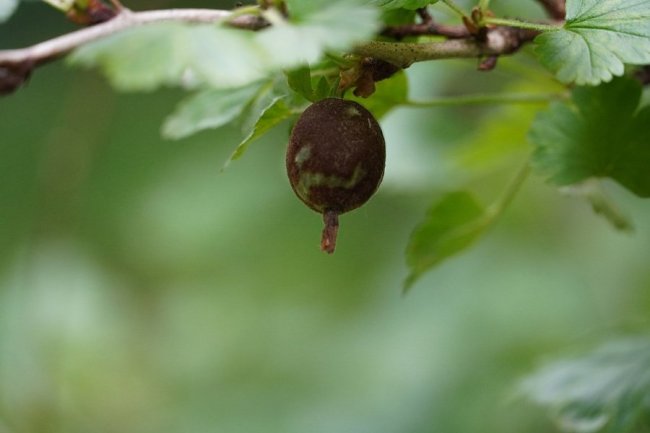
point(389, 94)
point(601, 135)
point(151, 56)
point(172, 54)
point(7, 8)
point(210, 108)
point(597, 39)
point(335, 25)
point(452, 224)
point(300, 80)
point(406, 4)
point(276, 112)
point(324, 89)
point(608, 389)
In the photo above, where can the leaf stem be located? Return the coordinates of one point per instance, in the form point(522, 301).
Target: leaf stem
point(486, 99)
point(520, 24)
point(454, 7)
point(501, 204)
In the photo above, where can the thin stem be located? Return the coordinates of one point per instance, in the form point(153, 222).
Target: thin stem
point(520, 24)
point(405, 54)
point(484, 5)
point(330, 231)
point(499, 41)
point(454, 7)
point(501, 204)
point(487, 99)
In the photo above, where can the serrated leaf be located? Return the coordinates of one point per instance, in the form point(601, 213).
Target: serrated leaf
point(389, 94)
point(597, 39)
point(154, 55)
point(7, 8)
point(406, 4)
point(210, 108)
point(608, 389)
point(452, 224)
point(275, 113)
point(300, 81)
point(601, 135)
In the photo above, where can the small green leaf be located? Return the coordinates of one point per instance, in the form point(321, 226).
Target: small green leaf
point(389, 94)
point(276, 112)
point(601, 135)
point(300, 80)
point(7, 8)
point(324, 89)
point(606, 390)
point(452, 224)
point(207, 109)
point(597, 39)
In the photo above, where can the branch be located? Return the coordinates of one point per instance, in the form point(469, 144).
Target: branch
point(16, 65)
point(427, 26)
point(499, 41)
point(62, 45)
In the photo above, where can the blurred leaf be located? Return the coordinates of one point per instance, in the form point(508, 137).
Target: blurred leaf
point(271, 116)
point(209, 108)
point(597, 39)
point(150, 56)
point(389, 93)
point(7, 8)
point(334, 25)
point(406, 4)
point(502, 134)
point(452, 224)
point(300, 80)
point(606, 390)
point(600, 137)
point(396, 17)
point(154, 55)
point(592, 191)
point(272, 89)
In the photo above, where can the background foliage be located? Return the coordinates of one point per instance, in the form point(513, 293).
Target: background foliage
point(142, 289)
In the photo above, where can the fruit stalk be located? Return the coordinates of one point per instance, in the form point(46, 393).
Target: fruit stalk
point(331, 229)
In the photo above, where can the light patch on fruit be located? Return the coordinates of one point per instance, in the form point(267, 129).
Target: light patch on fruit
point(310, 180)
point(303, 155)
point(353, 112)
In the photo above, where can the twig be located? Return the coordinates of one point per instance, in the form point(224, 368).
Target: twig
point(54, 48)
point(499, 40)
point(427, 26)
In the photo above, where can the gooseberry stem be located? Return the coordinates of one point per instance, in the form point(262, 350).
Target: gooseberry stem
point(331, 229)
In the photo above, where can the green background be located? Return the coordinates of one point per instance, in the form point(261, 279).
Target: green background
point(144, 290)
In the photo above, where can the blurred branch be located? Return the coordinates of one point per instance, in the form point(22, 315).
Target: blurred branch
point(17, 64)
point(426, 26)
